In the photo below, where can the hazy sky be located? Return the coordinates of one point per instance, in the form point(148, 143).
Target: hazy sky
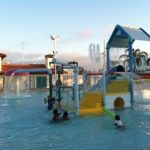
point(26, 25)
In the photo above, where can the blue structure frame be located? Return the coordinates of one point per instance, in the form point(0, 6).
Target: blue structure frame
point(49, 72)
point(123, 37)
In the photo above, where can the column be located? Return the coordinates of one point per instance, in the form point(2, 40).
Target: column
point(131, 71)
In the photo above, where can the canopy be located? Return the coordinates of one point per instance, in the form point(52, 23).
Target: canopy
point(120, 36)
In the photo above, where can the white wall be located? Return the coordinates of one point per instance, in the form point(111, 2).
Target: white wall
point(0, 64)
point(48, 60)
point(1, 82)
point(110, 99)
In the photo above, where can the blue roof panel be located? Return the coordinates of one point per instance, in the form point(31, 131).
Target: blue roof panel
point(137, 34)
point(120, 35)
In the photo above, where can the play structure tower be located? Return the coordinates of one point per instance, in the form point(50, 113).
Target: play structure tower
point(74, 66)
point(117, 83)
point(123, 38)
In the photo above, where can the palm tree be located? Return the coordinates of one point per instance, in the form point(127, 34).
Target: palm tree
point(139, 58)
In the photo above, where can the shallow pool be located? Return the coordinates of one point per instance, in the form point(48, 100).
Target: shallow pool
point(24, 125)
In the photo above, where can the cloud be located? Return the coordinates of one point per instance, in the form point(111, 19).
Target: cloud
point(86, 33)
point(78, 36)
point(22, 58)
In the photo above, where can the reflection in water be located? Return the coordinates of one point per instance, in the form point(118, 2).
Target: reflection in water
point(4, 104)
point(146, 94)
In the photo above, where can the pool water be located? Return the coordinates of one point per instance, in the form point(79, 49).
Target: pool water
point(24, 125)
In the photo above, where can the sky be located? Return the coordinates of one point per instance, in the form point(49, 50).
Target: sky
point(26, 27)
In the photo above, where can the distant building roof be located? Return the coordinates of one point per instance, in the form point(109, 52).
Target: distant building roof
point(6, 67)
point(49, 56)
point(2, 55)
point(94, 73)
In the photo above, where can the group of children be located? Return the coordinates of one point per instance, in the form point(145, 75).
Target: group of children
point(57, 116)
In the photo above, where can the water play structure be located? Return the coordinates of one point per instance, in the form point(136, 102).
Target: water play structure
point(16, 80)
point(123, 38)
point(74, 66)
point(117, 83)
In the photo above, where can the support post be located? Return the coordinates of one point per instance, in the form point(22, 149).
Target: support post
point(50, 86)
point(84, 80)
point(104, 87)
point(59, 86)
point(17, 86)
point(131, 72)
point(107, 52)
point(76, 91)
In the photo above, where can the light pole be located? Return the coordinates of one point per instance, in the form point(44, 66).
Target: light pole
point(54, 38)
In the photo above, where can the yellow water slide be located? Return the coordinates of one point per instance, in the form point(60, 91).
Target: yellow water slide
point(91, 104)
point(121, 86)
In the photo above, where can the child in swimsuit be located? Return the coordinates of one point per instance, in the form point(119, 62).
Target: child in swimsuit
point(118, 122)
point(65, 116)
point(56, 116)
